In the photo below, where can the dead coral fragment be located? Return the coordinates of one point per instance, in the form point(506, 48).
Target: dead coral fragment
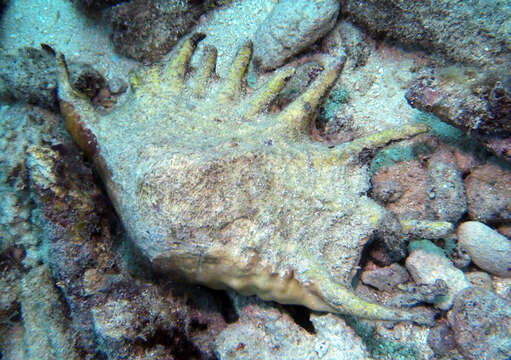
point(276, 214)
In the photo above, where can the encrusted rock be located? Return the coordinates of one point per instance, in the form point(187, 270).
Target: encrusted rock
point(489, 194)
point(445, 191)
point(10, 289)
point(385, 278)
point(404, 183)
point(472, 32)
point(47, 330)
point(441, 339)
point(489, 250)
point(413, 294)
point(29, 75)
point(481, 322)
point(347, 39)
point(291, 27)
point(461, 97)
point(387, 190)
point(22, 127)
point(266, 333)
point(146, 30)
point(427, 263)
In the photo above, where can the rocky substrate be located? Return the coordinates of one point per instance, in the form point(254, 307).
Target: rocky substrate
point(72, 286)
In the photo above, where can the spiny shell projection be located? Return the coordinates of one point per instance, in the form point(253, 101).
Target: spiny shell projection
point(214, 189)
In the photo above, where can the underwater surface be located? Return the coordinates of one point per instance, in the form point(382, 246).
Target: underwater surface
point(255, 179)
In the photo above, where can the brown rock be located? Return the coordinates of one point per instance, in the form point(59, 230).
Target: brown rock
point(409, 177)
point(465, 161)
point(477, 103)
point(481, 322)
point(489, 193)
point(385, 278)
point(446, 199)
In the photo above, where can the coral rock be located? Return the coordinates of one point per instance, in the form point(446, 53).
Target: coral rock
point(489, 250)
point(269, 334)
point(463, 31)
point(474, 102)
point(489, 194)
point(291, 27)
point(481, 322)
point(427, 264)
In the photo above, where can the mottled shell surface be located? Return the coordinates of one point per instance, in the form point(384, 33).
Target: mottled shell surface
point(213, 188)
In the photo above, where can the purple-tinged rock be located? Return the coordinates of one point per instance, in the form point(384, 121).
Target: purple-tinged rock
point(481, 322)
point(385, 278)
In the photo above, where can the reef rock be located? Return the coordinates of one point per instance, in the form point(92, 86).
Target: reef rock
point(29, 75)
point(477, 102)
point(213, 190)
point(47, 330)
point(466, 31)
point(146, 30)
point(489, 250)
point(489, 194)
point(481, 322)
point(265, 333)
point(292, 26)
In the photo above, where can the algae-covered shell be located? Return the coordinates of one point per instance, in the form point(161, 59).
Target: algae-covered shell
point(215, 190)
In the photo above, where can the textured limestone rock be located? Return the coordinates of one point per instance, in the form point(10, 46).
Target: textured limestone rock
point(385, 278)
point(427, 263)
point(47, 334)
point(445, 191)
point(489, 250)
point(291, 27)
point(266, 333)
point(215, 191)
point(489, 193)
point(475, 101)
point(469, 31)
point(481, 322)
point(29, 75)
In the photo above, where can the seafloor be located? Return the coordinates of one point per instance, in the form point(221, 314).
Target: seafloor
point(255, 179)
